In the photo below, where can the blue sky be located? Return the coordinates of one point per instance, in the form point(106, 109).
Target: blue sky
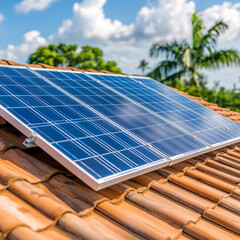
point(124, 29)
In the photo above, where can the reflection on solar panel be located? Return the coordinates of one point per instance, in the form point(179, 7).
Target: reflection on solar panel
point(169, 110)
point(106, 128)
point(140, 122)
point(189, 104)
point(90, 142)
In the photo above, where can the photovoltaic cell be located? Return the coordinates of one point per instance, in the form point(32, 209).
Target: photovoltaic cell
point(183, 117)
point(140, 122)
point(88, 140)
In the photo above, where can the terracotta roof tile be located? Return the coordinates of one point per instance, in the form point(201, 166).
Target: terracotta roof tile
point(139, 221)
point(230, 203)
point(208, 230)
point(37, 170)
point(195, 199)
point(19, 212)
point(166, 209)
point(7, 62)
point(224, 217)
point(183, 196)
point(93, 226)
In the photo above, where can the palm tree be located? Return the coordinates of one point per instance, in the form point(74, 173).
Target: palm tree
point(143, 65)
point(185, 60)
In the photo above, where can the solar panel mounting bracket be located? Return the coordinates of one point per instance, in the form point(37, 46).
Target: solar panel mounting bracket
point(30, 141)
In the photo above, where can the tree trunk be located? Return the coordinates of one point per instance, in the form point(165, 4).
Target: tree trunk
point(193, 81)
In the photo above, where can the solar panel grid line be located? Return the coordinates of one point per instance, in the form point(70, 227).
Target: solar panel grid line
point(47, 121)
point(86, 146)
point(225, 136)
point(112, 151)
point(24, 104)
point(104, 117)
point(147, 109)
point(216, 115)
point(74, 168)
point(95, 184)
point(62, 158)
point(102, 141)
point(167, 148)
point(72, 75)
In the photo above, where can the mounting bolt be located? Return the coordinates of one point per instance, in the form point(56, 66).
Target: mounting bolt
point(29, 142)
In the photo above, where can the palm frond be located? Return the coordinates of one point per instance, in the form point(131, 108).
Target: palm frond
point(197, 29)
point(165, 69)
point(170, 50)
point(175, 75)
point(209, 39)
point(182, 57)
point(222, 58)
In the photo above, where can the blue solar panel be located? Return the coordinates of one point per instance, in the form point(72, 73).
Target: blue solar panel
point(89, 141)
point(105, 128)
point(140, 122)
point(188, 103)
point(183, 117)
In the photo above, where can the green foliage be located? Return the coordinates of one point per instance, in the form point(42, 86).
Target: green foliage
point(184, 60)
point(223, 97)
point(63, 55)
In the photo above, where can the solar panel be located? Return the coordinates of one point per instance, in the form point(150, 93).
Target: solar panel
point(165, 108)
point(166, 138)
point(105, 128)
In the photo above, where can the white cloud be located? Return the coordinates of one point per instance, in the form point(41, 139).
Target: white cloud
point(26, 6)
point(157, 22)
point(1, 17)
point(89, 23)
point(31, 41)
point(229, 13)
point(127, 44)
point(167, 20)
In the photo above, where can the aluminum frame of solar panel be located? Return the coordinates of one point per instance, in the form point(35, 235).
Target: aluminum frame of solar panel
point(65, 160)
point(64, 83)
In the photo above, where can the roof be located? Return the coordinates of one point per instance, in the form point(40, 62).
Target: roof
point(195, 199)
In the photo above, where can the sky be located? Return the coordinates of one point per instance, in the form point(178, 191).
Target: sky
point(125, 30)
